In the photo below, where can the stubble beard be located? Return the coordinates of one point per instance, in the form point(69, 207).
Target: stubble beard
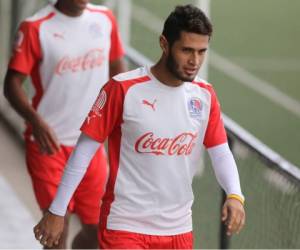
point(172, 66)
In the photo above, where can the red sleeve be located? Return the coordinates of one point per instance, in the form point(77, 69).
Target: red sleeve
point(215, 132)
point(106, 113)
point(116, 47)
point(27, 51)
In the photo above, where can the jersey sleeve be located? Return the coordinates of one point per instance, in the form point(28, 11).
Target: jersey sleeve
point(215, 132)
point(116, 47)
point(26, 51)
point(106, 113)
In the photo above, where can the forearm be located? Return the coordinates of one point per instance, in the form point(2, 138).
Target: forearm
point(16, 96)
point(225, 169)
point(74, 172)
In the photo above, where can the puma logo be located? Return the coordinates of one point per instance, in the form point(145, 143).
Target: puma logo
point(58, 35)
point(152, 105)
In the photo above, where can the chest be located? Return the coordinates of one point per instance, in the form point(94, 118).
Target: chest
point(77, 43)
point(166, 114)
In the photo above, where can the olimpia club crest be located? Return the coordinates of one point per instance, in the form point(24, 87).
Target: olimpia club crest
point(195, 107)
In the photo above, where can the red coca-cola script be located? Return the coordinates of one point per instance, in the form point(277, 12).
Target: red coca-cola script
point(182, 144)
point(91, 59)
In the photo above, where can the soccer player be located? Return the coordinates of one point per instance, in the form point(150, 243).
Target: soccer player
point(70, 50)
point(156, 118)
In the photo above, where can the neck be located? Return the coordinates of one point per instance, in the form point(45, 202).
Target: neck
point(68, 9)
point(162, 73)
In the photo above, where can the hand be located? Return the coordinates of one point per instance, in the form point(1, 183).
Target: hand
point(49, 230)
point(233, 215)
point(45, 137)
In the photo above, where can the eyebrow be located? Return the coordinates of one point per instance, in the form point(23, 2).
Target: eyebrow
point(190, 48)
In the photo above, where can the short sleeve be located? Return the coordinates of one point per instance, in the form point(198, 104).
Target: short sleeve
point(215, 132)
point(26, 51)
point(106, 113)
point(116, 47)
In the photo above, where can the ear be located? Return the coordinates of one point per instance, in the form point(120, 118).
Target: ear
point(164, 44)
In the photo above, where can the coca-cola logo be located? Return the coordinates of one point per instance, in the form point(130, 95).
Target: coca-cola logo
point(91, 59)
point(182, 144)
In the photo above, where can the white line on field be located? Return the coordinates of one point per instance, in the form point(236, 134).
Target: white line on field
point(251, 81)
point(232, 70)
point(269, 64)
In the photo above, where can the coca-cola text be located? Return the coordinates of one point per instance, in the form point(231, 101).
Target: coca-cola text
point(93, 58)
point(182, 144)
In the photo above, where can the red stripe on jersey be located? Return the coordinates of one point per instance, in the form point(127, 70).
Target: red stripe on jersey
point(215, 133)
point(129, 83)
point(116, 48)
point(114, 159)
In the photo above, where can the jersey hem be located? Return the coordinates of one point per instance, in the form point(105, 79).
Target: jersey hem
point(150, 232)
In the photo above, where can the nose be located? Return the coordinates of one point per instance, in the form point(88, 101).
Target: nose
point(195, 59)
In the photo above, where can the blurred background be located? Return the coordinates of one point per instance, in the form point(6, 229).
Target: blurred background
point(254, 65)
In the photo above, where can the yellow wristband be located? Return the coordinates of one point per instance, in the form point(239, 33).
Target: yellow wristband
point(237, 197)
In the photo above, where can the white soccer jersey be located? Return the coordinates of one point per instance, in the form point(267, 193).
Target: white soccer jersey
point(68, 60)
point(154, 135)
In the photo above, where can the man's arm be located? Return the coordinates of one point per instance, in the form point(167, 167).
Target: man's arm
point(48, 231)
point(233, 213)
point(15, 94)
point(117, 66)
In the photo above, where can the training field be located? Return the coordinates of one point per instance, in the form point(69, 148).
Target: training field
point(254, 65)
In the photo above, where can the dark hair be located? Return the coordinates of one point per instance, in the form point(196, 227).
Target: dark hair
point(187, 18)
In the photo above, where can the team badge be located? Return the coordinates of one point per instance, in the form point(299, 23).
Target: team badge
point(95, 30)
point(195, 107)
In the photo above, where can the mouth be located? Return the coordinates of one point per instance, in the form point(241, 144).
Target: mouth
point(191, 71)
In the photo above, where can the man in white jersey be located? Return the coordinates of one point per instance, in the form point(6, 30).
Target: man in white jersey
point(156, 118)
point(70, 50)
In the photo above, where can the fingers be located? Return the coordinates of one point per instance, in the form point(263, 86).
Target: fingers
point(233, 222)
point(45, 238)
point(224, 213)
point(242, 223)
point(37, 232)
point(233, 215)
point(54, 142)
point(48, 143)
point(45, 137)
point(49, 230)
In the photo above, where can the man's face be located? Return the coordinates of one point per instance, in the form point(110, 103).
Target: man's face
point(186, 55)
point(81, 4)
point(76, 5)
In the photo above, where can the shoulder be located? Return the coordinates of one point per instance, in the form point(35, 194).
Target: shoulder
point(201, 83)
point(138, 75)
point(131, 78)
point(33, 22)
point(42, 15)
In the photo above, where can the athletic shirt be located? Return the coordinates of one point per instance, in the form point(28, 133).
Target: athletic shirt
point(68, 61)
point(154, 137)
